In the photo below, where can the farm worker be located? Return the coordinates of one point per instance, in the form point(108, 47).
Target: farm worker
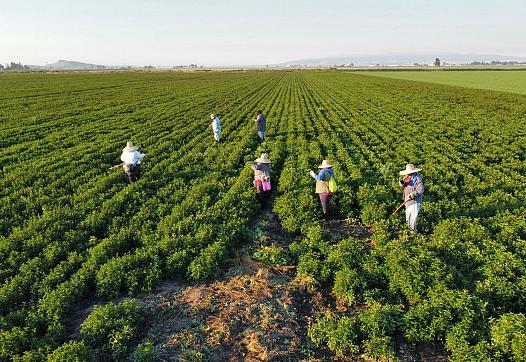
point(216, 127)
point(131, 161)
point(323, 187)
point(262, 178)
point(261, 124)
point(412, 195)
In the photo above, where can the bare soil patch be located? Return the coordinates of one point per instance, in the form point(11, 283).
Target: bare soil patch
point(256, 317)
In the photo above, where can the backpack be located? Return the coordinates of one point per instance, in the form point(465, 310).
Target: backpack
point(332, 184)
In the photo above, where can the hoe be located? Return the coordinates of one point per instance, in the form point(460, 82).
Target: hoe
point(399, 207)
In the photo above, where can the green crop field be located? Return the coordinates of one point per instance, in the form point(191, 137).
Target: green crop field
point(71, 231)
point(505, 81)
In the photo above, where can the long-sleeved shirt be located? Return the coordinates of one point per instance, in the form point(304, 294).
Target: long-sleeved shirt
point(325, 174)
point(261, 171)
point(413, 184)
point(261, 123)
point(216, 125)
point(322, 180)
point(132, 158)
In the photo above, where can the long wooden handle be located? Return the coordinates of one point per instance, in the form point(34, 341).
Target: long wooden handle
point(399, 207)
point(112, 167)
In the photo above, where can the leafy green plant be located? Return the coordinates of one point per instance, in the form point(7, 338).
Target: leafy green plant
point(508, 336)
point(147, 352)
point(71, 351)
point(347, 285)
point(339, 333)
point(113, 327)
point(273, 254)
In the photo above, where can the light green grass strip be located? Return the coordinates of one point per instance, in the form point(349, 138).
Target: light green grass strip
point(513, 81)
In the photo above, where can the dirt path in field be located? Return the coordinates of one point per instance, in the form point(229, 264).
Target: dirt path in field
point(256, 312)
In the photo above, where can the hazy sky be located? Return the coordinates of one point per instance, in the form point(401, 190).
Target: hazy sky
point(163, 32)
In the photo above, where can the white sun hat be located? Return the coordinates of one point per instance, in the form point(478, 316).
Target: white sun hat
point(325, 164)
point(409, 169)
point(129, 147)
point(263, 158)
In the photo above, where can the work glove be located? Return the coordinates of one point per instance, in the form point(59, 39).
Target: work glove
point(312, 173)
point(411, 196)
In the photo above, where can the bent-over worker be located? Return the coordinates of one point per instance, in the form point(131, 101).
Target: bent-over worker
point(216, 127)
point(322, 185)
point(412, 194)
point(262, 178)
point(131, 161)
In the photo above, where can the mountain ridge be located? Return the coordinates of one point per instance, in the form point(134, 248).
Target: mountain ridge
point(69, 65)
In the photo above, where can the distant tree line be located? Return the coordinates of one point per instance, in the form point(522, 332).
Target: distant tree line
point(13, 66)
point(191, 66)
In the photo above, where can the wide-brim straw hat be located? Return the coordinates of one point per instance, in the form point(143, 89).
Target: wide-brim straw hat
point(129, 147)
point(263, 158)
point(409, 169)
point(212, 116)
point(325, 164)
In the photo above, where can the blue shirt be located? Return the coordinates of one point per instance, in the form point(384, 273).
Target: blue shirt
point(416, 187)
point(325, 174)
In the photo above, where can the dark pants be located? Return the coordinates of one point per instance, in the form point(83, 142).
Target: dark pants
point(324, 199)
point(261, 196)
point(132, 171)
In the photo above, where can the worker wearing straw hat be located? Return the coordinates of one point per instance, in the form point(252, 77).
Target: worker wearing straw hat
point(216, 127)
point(322, 185)
point(262, 178)
point(412, 195)
point(131, 161)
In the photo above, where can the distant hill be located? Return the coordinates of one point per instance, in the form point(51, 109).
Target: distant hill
point(402, 59)
point(69, 65)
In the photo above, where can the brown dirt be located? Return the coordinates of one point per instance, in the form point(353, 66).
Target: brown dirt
point(272, 231)
point(340, 229)
point(257, 317)
point(258, 312)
